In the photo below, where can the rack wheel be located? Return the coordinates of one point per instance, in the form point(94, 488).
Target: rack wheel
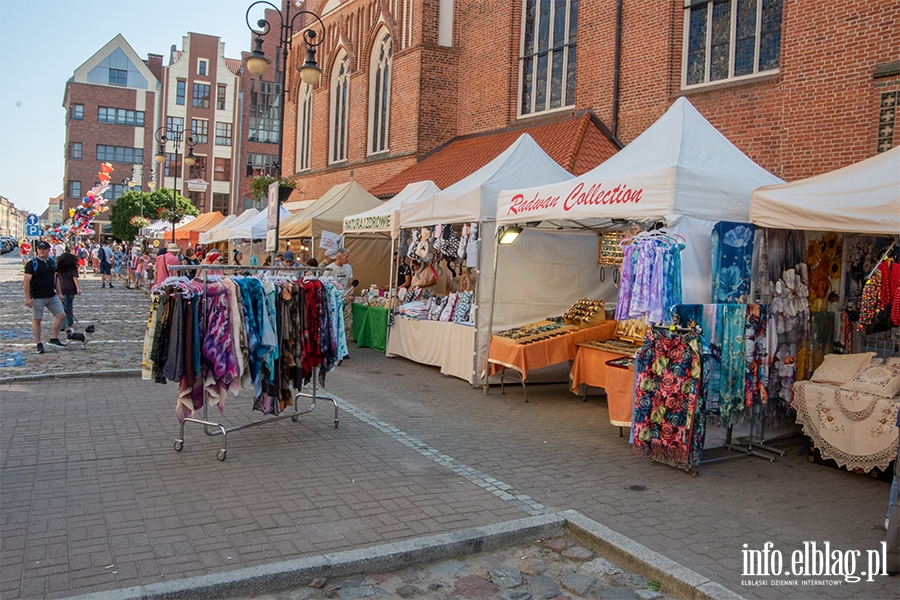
point(179, 445)
point(221, 454)
point(295, 418)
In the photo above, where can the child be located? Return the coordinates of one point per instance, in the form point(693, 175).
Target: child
point(142, 263)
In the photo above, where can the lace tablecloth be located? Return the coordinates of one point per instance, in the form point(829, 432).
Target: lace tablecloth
point(855, 429)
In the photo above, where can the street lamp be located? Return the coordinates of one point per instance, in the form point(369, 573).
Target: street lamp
point(310, 72)
point(163, 135)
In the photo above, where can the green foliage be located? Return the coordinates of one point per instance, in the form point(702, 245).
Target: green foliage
point(129, 204)
point(259, 186)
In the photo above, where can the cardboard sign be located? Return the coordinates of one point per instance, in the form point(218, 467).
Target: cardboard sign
point(330, 241)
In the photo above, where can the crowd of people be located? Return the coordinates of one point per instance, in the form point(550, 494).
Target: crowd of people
point(53, 268)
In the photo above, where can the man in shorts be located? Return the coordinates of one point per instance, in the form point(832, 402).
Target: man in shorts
point(40, 293)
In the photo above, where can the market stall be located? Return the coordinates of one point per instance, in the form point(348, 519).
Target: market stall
point(370, 315)
point(682, 174)
point(189, 234)
point(368, 255)
point(458, 220)
point(221, 232)
point(843, 229)
point(250, 236)
point(161, 226)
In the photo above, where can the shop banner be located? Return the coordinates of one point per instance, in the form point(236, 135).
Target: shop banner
point(272, 218)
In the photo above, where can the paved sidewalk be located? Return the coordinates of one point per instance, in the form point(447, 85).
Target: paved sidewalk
point(119, 315)
point(93, 496)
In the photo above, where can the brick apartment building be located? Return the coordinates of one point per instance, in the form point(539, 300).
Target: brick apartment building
point(112, 108)
point(801, 87)
point(201, 98)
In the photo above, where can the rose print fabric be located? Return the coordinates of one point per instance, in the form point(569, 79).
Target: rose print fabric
point(667, 422)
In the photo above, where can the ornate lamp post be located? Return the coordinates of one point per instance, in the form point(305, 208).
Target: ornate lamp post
point(164, 135)
point(310, 72)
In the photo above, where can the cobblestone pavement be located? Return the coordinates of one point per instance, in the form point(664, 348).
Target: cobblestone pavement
point(542, 569)
point(93, 496)
point(119, 314)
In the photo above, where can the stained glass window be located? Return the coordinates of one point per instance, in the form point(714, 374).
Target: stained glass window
point(380, 94)
point(549, 34)
point(726, 39)
point(339, 96)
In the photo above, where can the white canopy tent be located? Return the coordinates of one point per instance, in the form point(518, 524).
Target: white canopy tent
point(368, 255)
point(221, 226)
point(680, 170)
point(222, 232)
point(474, 199)
point(386, 218)
point(255, 227)
point(861, 198)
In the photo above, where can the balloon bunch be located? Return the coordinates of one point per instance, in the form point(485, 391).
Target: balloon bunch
point(81, 218)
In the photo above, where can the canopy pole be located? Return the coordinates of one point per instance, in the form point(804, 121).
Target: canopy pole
point(390, 297)
point(484, 372)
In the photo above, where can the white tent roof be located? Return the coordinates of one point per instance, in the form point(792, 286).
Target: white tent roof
point(474, 198)
point(681, 165)
point(328, 212)
point(206, 237)
point(860, 198)
point(254, 228)
point(386, 218)
point(297, 205)
point(222, 234)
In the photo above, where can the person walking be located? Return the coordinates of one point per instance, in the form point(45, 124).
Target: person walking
point(24, 250)
point(39, 285)
point(140, 270)
point(67, 284)
point(167, 258)
point(82, 254)
point(118, 263)
point(189, 260)
point(106, 256)
point(95, 258)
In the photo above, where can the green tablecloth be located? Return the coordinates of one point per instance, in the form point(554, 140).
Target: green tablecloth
point(369, 326)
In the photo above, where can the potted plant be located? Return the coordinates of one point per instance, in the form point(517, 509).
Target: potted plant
point(259, 187)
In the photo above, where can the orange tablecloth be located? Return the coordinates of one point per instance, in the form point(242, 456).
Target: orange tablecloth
point(527, 357)
point(619, 395)
point(590, 367)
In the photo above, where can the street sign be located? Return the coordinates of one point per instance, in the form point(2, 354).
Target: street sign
point(32, 231)
point(32, 219)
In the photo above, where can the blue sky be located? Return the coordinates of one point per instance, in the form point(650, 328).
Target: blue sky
point(41, 45)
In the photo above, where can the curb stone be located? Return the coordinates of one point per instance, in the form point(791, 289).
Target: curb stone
point(71, 374)
point(398, 555)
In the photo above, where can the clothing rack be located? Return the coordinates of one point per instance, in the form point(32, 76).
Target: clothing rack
point(748, 446)
point(881, 260)
point(220, 429)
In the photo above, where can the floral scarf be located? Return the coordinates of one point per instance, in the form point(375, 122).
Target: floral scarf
point(668, 399)
point(732, 260)
point(824, 253)
point(734, 364)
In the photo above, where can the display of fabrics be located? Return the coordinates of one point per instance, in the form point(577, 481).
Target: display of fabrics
point(824, 254)
point(650, 283)
point(738, 342)
point(732, 261)
point(233, 334)
point(787, 281)
point(667, 420)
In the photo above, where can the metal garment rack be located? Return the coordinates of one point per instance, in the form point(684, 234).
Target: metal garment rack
point(212, 428)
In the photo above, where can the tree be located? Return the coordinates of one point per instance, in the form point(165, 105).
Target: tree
point(129, 205)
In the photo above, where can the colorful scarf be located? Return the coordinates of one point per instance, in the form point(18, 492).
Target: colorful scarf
point(667, 422)
point(734, 364)
point(732, 260)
